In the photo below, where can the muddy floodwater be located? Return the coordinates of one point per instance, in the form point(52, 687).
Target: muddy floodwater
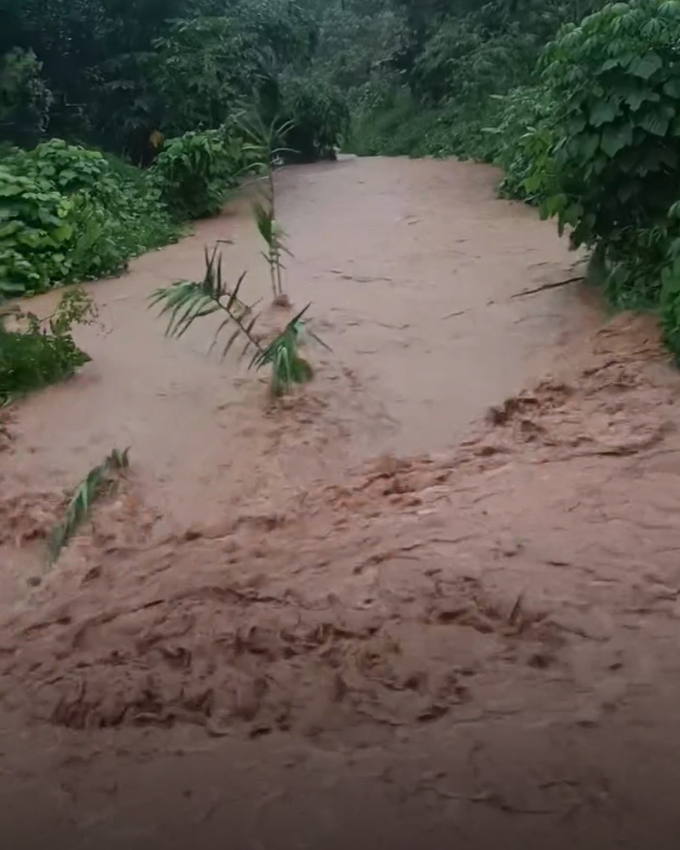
point(412, 269)
point(431, 599)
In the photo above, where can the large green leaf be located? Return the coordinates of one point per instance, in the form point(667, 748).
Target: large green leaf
point(672, 87)
point(638, 96)
point(654, 122)
point(588, 144)
point(604, 111)
point(646, 65)
point(615, 138)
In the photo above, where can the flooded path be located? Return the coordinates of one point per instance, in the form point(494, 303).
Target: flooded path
point(411, 268)
point(435, 597)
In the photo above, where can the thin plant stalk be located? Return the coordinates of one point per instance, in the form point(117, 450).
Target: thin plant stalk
point(263, 144)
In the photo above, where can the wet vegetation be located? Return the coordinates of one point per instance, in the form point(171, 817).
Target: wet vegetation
point(36, 352)
point(100, 481)
point(122, 120)
point(577, 101)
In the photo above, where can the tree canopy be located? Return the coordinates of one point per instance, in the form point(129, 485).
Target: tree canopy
point(574, 99)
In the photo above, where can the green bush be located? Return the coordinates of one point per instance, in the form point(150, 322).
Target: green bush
point(521, 143)
point(115, 199)
point(603, 152)
point(37, 236)
point(69, 215)
point(466, 60)
point(612, 173)
point(194, 173)
point(34, 354)
point(616, 78)
point(629, 269)
point(394, 127)
point(68, 168)
point(319, 116)
point(98, 245)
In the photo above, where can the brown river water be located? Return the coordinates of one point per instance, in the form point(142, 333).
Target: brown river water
point(432, 598)
point(410, 267)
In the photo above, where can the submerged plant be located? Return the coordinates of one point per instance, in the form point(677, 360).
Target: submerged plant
point(99, 481)
point(186, 301)
point(282, 353)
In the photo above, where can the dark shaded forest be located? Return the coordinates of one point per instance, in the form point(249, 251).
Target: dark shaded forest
point(121, 120)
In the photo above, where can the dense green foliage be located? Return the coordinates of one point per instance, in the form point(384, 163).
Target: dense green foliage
point(70, 214)
point(457, 62)
point(617, 80)
point(86, 85)
point(35, 234)
point(611, 170)
point(126, 74)
point(25, 100)
point(576, 100)
point(318, 116)
point(193, 172)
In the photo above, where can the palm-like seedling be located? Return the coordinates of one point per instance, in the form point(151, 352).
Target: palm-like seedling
point(187, 301)
point(264, 144)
